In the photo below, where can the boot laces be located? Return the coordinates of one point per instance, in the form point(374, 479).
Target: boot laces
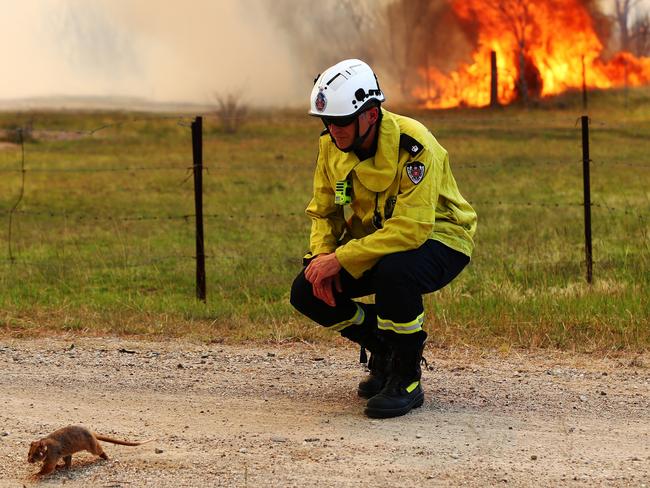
point(423, 360)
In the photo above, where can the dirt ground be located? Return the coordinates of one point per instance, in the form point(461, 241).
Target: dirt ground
point(288, 415)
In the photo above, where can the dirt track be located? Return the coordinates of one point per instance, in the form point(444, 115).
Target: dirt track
point(288, 415)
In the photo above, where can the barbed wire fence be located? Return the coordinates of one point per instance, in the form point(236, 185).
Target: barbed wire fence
point(14, 211)
point(196, 170)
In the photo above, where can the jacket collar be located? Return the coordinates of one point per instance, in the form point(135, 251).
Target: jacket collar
point(378, 172)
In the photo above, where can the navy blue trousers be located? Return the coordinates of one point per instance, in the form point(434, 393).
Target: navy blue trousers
point(398, 281)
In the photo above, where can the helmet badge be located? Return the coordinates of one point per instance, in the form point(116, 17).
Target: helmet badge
point(321, 101)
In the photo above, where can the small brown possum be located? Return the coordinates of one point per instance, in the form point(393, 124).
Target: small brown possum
point(64, 442)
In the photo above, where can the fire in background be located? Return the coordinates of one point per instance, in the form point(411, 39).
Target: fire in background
point(543, 47)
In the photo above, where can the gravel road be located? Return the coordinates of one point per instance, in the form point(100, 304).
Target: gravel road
point(288, 415)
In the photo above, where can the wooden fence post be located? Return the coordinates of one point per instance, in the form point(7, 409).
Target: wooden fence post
point(584, 84)
point(494, 81)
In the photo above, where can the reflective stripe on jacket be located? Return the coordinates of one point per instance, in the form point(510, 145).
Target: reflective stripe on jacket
point(408, 206)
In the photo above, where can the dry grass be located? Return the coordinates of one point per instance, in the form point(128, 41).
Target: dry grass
point(86, 269)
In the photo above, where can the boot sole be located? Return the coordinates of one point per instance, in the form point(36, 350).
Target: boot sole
point(377, 413)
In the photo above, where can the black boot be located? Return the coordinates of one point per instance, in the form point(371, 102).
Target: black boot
point(368, 337)
point(403, 390)
point(379, 366)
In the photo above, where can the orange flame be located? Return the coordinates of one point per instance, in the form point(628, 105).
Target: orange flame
point(553, 40)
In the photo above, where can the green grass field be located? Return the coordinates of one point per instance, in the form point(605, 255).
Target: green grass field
point(110, 252)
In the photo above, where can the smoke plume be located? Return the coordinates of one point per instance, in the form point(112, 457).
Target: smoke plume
point(163, 50)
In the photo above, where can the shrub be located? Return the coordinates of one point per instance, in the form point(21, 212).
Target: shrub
point(231, 111)
point(14, 133)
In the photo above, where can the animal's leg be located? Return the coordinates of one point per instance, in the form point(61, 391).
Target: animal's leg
point(97, 450)
point(68, 461)
point(48, 466)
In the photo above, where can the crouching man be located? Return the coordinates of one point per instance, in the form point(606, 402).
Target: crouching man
point(387, 219)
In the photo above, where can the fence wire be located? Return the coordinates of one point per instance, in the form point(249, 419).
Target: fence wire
point(127, 169)
point(39, 167)
point(101, 266)
point(237, 215)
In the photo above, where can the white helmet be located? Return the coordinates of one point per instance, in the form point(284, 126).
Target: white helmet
point(344, 90)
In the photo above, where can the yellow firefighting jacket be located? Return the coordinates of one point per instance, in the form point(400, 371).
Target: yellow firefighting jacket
point(402, 196)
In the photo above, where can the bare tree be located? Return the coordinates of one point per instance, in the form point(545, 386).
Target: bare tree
point(363, 17)
point(623, 13)
point(640, 37)
point(336, 29)
point(404, 21)
point(602, 23)
point(515, 14)
point(396, 37)
point(417, 36)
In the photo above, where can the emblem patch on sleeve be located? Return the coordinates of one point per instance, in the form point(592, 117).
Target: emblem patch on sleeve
point(415, 171)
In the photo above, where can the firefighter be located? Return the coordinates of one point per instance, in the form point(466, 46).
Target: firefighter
point(387, 219)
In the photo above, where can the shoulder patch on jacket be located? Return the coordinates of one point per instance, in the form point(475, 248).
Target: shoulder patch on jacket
point(415, 171)
point(409, 144)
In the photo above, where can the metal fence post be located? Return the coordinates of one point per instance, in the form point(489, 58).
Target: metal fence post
point(197, 154)
point(587, 196)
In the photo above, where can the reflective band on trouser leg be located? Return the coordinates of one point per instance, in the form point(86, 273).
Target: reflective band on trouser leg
point(403, 327)
point(357, 319)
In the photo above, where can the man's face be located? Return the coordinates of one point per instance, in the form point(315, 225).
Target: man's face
point(344, 135)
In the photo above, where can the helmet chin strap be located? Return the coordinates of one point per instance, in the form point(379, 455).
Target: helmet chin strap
point(358, 139)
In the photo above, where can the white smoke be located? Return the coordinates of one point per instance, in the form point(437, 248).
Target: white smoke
point(162, 50)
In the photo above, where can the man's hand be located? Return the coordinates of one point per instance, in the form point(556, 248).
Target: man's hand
point(323, 274)
point(324, 289)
